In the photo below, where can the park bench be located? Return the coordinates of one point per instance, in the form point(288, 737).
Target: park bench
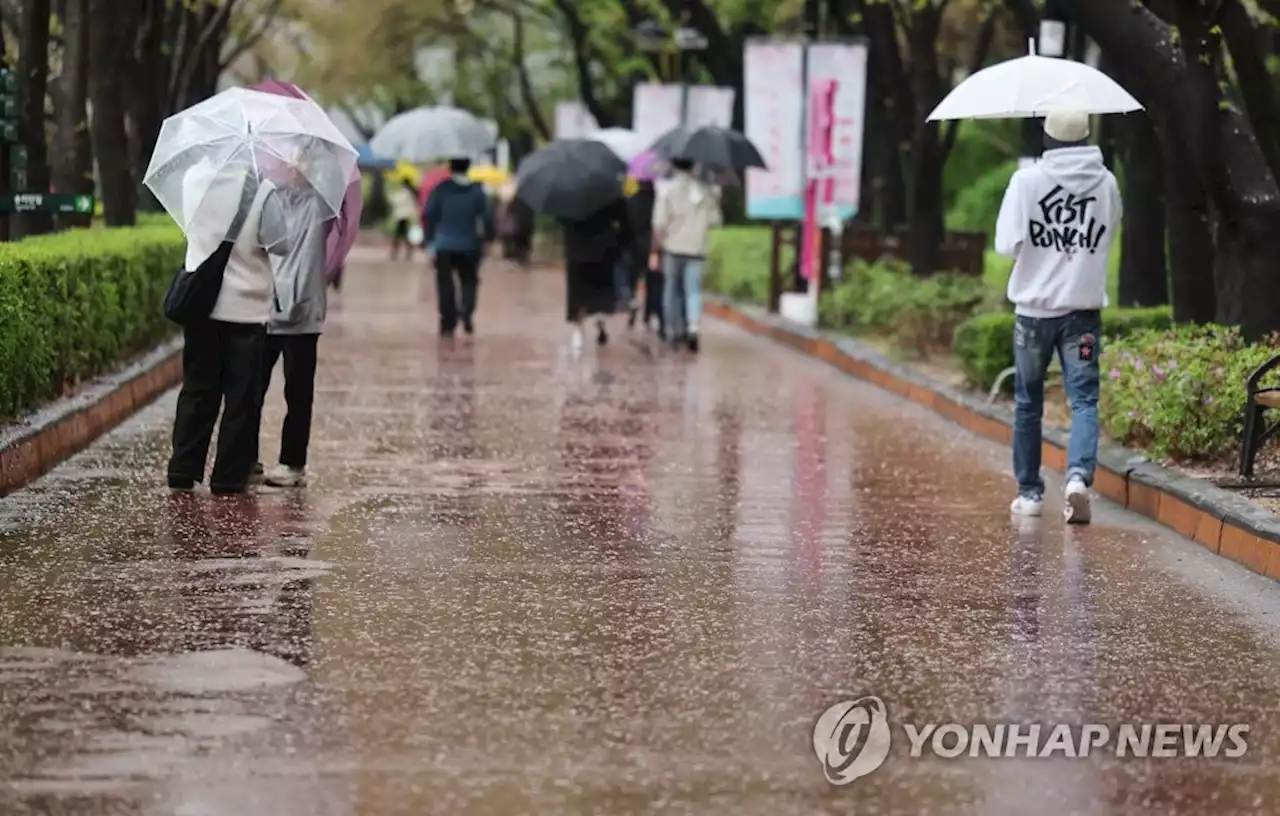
point(1258, 401)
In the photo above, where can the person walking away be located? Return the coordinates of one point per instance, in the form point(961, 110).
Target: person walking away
point(640, 216)
point(524, 231)
point(1058, 220)
point(683, 217)
point(591, 247)
point(294, 232)
point(404, 211)
point(222, 355)
point(459, 223)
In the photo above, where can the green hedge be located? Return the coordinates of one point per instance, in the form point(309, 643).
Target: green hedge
point(919, 314)
point(984, 344)
point(1178, 393)
point(738, 263)
point(74, 304)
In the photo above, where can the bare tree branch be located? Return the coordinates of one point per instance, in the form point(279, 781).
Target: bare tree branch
point(242, 45)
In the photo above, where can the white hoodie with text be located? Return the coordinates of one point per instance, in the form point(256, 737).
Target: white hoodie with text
point(1058, 220)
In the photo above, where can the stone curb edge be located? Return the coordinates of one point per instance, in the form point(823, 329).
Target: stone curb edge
point(1218, 520)
point(33, 445)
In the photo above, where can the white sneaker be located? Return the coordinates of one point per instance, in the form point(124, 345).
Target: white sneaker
point(1076, 509)
point(575, 342)
point(281, 476)
point(1027, 506)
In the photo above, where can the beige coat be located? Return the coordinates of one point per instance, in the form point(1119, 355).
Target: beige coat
point(684, 214)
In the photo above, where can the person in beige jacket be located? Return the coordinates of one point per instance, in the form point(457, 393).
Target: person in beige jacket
point(683, 216)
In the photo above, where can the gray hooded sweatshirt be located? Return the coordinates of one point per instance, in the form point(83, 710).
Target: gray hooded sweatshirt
point(294, 229)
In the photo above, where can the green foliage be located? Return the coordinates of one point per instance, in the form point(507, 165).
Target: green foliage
point(984, 344)
point(74, 304)
point(738, 264)
point(976, 206)
point(920, 314)
point(983, 146)
point(1178, 393)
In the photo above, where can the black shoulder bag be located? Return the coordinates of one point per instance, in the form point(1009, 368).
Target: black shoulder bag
point(193, 294)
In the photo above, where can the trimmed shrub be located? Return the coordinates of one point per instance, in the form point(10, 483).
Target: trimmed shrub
point(74, 304)
point(984, 343)
point(1178, 393)
point(978, 204)
point(919, 314)
point(738, 264)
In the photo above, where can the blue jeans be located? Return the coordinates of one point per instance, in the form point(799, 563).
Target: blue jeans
point(622, 278)
point(1076, 338)
point(681, 273)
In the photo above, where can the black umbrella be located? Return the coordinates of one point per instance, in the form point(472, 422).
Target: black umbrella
point(710, 147)
point(570, 178)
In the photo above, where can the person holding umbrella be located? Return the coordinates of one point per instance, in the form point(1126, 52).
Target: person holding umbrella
point(294, 233)
point(683, 217)
point(213, 167)
point(459, 223)
point(579, 182)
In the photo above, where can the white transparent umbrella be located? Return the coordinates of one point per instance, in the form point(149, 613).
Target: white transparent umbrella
point(211, 158)
point(1033, 87)
point(431, 134)
point(626, 144)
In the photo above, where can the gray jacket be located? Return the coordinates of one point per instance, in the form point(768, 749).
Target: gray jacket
point(293, 229)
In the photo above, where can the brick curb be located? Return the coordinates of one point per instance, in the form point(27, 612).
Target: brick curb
point(1217, 519)
point(33, 445)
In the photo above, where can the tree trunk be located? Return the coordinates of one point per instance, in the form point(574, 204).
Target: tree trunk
point(1144, 278)
point(107, 126)
point(927, 152)
point(73, 164)
point(33, 78)
point(1191, 255)
point(1176, 76)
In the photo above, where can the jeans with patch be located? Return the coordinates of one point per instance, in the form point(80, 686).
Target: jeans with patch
point(1075, 338)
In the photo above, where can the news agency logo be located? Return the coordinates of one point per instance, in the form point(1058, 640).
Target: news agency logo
point(852, 738)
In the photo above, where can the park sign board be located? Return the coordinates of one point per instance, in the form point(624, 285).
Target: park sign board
point(46, 202)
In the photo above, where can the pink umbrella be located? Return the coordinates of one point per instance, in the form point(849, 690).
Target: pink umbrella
point(346, 227)
point(645, 167)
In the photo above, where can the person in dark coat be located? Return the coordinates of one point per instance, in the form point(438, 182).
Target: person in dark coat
point(459, 224)
point(591, 247)
point(640, 210)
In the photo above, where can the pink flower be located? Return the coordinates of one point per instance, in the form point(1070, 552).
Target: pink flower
point(1138, 364)
point(1115, 373)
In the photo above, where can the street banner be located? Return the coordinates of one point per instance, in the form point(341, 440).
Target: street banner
point(710, 106)
point(780, 78)
point(655, 109)
point(838, 156)
point(773, 85)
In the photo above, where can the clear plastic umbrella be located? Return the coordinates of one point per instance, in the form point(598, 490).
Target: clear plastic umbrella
point(425, 135)
point(218, 152)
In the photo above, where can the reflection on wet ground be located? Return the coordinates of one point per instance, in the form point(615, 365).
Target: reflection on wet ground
point(628, 583)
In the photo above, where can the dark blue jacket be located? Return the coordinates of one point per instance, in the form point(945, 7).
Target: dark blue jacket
point(458, 217)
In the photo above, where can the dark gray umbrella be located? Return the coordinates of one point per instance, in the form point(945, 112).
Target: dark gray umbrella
point(710, 147)
point(570, 178)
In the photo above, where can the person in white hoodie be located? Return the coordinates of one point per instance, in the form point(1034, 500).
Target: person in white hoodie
point(684, 214)
point(1058, 220)
point(222, 356)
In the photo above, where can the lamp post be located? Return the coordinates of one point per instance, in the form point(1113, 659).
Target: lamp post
point(1052, 38)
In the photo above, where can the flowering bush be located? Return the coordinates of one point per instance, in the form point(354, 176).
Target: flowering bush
point(1179, 393)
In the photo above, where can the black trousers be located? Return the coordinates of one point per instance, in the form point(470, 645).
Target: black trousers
point(299, 353)
point(456, 304)
point(221, 368)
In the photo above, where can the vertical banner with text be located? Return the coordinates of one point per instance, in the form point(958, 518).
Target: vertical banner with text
point(845, 65)
point(773, 86)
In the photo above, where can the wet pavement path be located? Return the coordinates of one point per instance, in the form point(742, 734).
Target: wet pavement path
point(626, 583)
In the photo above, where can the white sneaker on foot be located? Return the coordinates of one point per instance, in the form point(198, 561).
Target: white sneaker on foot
point(1076, 509)
point(282, 476)
point(575, 342)
point(1027, 506)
